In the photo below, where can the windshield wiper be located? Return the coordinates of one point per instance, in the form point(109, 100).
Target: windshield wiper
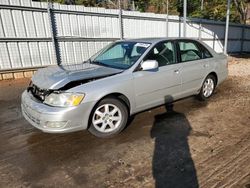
point(103, 64)
point(100, 63)
point(93, 62)
point(88, 61)
point(96, 62)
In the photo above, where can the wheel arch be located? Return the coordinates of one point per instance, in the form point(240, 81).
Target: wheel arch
point(123, 98)
point(215, 75)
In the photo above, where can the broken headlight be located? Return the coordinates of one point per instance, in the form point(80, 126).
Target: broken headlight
point(64, 99)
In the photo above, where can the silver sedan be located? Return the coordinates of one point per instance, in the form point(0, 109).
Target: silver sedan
point(122, 79)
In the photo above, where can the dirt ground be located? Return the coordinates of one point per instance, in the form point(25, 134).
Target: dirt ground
point(200, 144)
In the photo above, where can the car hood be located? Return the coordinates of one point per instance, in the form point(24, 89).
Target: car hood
point(56, 77)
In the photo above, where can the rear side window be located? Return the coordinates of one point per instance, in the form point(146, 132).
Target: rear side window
point(205, 52)
point(189, 51)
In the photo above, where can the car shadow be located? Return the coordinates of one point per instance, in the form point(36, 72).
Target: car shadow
point(172, 164)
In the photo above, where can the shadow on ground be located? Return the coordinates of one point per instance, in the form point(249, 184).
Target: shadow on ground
point(172, 163)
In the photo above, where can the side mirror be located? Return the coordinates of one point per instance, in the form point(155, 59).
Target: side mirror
point(149, 65)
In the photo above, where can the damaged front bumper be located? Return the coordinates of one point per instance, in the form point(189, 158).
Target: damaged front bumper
point(55, 119)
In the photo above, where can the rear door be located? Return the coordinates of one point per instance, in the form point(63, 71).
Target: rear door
point(156, 87)
point(193, 66)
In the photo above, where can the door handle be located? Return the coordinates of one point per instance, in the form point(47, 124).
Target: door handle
point(206, 65)
point(177, 71)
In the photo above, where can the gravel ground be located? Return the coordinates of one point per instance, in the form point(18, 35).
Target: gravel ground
point(199, 144)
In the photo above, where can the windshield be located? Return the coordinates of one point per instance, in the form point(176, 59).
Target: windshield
point(121, 55)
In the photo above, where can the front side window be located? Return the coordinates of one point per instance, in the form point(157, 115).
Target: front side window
point(189, 51)
point(163, 53)
point(121, 55)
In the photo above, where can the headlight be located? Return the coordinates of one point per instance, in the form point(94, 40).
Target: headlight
point(64, 99)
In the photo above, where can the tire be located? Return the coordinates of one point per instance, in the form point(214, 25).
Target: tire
point(108, 118)
point(207, 88)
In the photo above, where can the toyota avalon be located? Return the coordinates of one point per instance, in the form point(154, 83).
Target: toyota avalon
point(124, 78)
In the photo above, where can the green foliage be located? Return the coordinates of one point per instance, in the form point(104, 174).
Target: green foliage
point(192, 6)
point(242, 9)
point(74, 2)
point(212, 9)
point(142, 5)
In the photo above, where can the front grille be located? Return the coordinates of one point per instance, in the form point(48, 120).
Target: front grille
point(38, 93)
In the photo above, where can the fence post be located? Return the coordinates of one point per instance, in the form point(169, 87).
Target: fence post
point(167, 21)
point(167, 26)
point(242, 38)
point(227, 27)
point(120, 20)
point(53, 30)
point(184, 18)
point(200, 29)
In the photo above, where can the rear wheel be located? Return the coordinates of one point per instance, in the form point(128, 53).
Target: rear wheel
point(108, 118)
point(207, 88)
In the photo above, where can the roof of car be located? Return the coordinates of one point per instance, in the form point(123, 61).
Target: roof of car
point(155, 40)
point(159, 39)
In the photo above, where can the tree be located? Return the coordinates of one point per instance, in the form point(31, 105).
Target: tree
point(216, 10)
point(192, 6)
point(160, 6)
point(212, 9)
point(141, 5)
point(242, 7)
point(74, 2)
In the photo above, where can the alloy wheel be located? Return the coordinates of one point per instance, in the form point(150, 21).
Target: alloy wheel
point(107, 118)
point(208, 87)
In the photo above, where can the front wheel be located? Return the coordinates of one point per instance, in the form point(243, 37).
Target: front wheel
point(207, 88)
point(108, 118)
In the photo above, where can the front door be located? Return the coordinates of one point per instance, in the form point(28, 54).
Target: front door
point(156, 87)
